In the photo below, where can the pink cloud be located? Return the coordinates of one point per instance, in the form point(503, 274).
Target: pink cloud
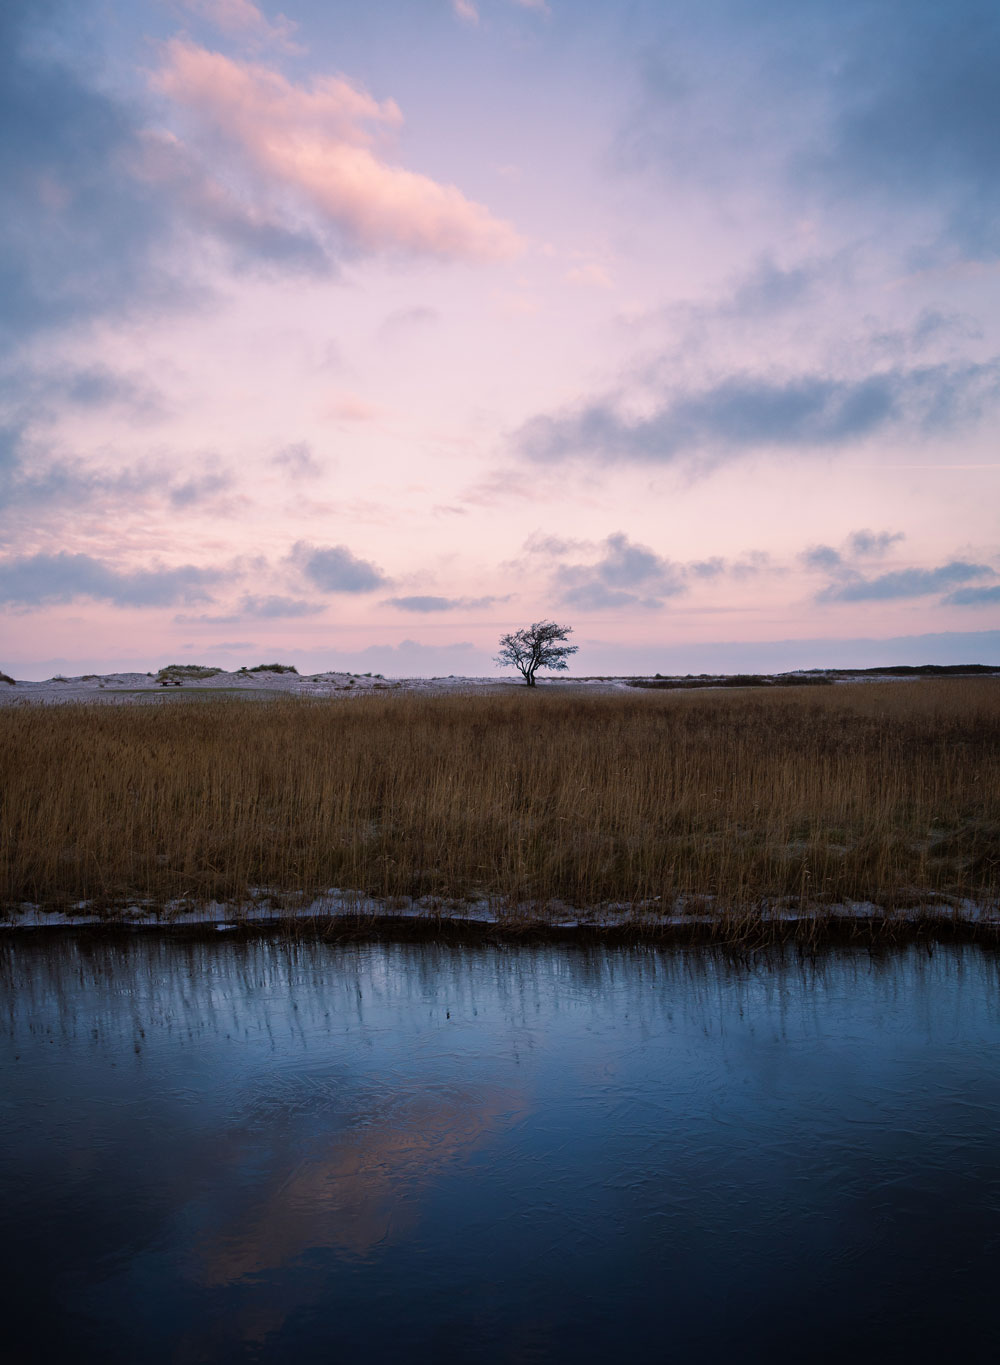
point(317, 143)
point(594, 275)
point(349, 407)
point(164, 160)
point(242, 19)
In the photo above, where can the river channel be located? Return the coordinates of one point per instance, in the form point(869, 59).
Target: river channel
point(263, 1149)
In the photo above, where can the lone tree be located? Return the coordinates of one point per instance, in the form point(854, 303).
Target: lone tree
point(535, 647)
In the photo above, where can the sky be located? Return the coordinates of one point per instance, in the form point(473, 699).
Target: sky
point(355, 336)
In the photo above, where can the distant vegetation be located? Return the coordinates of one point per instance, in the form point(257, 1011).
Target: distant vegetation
point(182, 671)
point(5, 677)
point(731, 680)
point(813, 677)
point(917, 671)
point(730, 799)
point(271, 668)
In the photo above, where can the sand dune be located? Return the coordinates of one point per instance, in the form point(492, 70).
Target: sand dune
point(147, 687)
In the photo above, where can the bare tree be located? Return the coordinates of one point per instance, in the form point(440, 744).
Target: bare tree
point(535, 647)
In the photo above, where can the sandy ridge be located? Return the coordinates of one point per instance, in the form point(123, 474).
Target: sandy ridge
point(145, 687)
point(148, 687)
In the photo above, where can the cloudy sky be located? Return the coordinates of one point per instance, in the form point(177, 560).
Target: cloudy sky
point(354, 335)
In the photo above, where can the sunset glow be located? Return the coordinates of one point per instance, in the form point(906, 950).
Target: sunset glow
point(356, 336)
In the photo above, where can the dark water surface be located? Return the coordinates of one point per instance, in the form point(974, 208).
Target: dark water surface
point(288, 1151)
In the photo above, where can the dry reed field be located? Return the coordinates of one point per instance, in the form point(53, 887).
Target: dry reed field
point(888, 793)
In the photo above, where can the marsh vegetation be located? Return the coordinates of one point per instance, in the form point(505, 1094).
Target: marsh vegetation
point(799, 797)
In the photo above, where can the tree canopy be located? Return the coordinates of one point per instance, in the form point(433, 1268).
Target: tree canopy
point(534, 647)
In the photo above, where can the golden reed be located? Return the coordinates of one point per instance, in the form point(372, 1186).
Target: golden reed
point(887, 793)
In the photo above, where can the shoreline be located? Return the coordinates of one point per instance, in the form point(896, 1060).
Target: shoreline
point(359, 917)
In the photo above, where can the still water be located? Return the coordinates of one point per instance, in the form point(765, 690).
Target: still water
point(298, 1151)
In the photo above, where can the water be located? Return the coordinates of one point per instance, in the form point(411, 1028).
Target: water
point(273, 1151)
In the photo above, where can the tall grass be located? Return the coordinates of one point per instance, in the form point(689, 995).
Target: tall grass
point(888, 793)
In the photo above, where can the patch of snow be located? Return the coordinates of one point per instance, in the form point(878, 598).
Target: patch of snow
point(347, 905)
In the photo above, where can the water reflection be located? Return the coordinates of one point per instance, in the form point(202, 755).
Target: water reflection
point(268, 1150)
point(361, 1190)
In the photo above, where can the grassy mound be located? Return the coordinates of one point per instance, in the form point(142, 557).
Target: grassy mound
point(179, 672)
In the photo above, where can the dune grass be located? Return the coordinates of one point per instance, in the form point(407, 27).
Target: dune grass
point(887, 793)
